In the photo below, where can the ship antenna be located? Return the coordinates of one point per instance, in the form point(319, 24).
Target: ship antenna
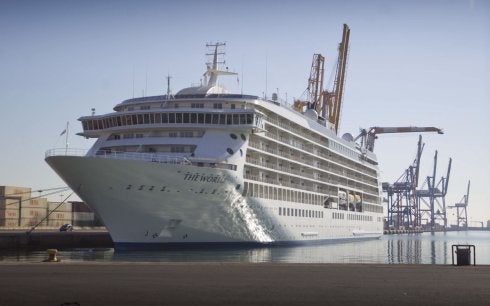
point(266, 60)
point(242, 78)
point(169, 91)
point(146, 83)
point(133, 81)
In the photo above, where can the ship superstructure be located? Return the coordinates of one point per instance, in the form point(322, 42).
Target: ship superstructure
point(208, 166)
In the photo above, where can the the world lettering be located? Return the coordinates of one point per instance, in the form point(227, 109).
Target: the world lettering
point(208, 178)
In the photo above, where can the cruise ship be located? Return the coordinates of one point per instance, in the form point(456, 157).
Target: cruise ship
point(205, 166)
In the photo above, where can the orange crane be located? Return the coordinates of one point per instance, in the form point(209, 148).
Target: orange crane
point(368, 136)
point(315, 86)
point(315, 82)
point(326, 103)
point(333, 99)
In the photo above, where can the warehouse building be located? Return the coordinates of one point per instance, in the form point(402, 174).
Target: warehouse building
point(20, 208)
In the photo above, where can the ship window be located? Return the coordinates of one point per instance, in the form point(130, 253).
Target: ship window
point(217, 105)
point(158, 118)
point(200, 118)
point(186, 117)
point(208, 118)
point(243, 137)
point(134, 119)
point(235, 119)
point(146, 118)
point(249, 118)
point(215, 119)
point(222, 119)
point(233, 136)
point(232, 106)
point(193, 118)
point(178, 117)
point(280, 211)
point(177, 149)
point(164, 118)
point(243, 119)
point(119, 121)
point(172, 134)
point(140, 119)
point(171, 118)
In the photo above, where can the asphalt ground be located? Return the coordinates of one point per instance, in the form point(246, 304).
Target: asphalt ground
point(92, 283)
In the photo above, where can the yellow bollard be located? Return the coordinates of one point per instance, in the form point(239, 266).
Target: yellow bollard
point(52, 256)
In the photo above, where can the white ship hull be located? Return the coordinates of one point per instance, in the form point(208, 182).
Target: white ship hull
point(145, 204)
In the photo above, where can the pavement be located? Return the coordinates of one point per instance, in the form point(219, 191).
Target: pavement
point(116, 283)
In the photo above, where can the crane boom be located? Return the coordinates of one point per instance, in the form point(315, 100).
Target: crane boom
point(315, 82)
point(335, 100)
point(368, 136)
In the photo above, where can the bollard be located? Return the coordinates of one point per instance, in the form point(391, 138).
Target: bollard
point(52, 256)
point(463, 254)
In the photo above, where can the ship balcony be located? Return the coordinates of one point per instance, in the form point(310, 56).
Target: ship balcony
point(330, 169)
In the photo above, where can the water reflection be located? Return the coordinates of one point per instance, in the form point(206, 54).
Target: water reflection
point(425, 248)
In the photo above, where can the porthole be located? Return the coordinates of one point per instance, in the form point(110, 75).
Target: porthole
point(243, 137)
point(230, 151)
point(233, 136)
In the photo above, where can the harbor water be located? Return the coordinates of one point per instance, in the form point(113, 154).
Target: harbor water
point(422, 248)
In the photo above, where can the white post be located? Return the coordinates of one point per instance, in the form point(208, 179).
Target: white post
point(66, 138)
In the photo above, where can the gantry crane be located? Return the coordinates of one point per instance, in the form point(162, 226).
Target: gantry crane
point(462, 216)
point(401, 195)
point(433, 193)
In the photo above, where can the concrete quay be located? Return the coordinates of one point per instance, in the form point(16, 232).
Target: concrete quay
point(241, 284)
point(41, 240)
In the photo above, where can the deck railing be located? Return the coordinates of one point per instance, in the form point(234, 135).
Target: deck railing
point(150, 157)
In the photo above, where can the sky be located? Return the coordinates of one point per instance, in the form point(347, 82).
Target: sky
point(411, 63)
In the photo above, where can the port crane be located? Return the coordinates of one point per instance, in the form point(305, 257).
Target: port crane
point(327, 103)
point(368, 136)
point(461, 213)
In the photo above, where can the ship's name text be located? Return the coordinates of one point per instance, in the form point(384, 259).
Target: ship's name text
point(208, 178)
